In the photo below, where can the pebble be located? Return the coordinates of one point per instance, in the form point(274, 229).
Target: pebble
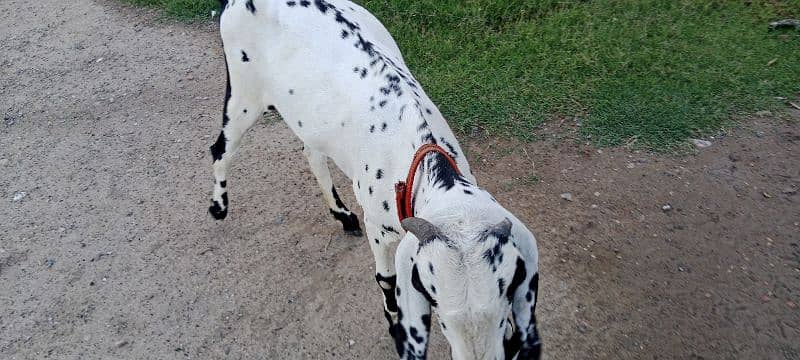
point(666, 207)
point(121, 343)
point(630, 166)
point(700, 144)
point(567, 196)
point(766, 195)
point(19, 195)
point(350, 343)
point(759, 134)
point(791, 304)
point(764, 113)
point(49, 263)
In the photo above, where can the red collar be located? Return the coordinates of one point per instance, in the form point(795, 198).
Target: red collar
point(403, 189)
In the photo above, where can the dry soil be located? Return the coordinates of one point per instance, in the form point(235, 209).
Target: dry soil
point(106, 249)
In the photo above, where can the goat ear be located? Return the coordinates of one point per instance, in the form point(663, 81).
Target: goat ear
point(422, 229)
point(502, 229)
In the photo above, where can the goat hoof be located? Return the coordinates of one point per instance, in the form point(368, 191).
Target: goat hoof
point(217, 211)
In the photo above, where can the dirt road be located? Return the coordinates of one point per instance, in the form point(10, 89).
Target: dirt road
point(106, 249)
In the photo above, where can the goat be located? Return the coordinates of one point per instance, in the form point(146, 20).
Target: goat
point(337, 78)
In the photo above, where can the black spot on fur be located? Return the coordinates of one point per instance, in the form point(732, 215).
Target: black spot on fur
point(223, 184)
point(467, 192)
point(322, 5)
point(382, 103)
point(291, 91)
point(370, 190)
point(533, 286)
point(444, 174)
point(338, 200)
point(390, 229)
point(385, 205)
point(345, 34)
point(218, 148)
point(250, 7)
point(244, 57)
point(417, 283)
point(430, 267)
point(245, 111)
point(493, 256)
point(433, 289)
point(300, 123)
point(349, 222)
point(519, 276)
point(271, 107)
point(415, 335)
point(379, 174)
point(225, 118)
point(383, 127)
point(428, 111)
point(216, 211)
point(388, 293)
point(377, 241)
point(501, 285)
point(305, 3)
point(291, 3)
point(372, 128)
point(426, 320)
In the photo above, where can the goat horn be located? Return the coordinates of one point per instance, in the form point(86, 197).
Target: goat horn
point(421, 228)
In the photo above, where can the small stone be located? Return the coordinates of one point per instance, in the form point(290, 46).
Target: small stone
point(121, 343)
point(350, 343)
point(583, 327)
point(700, 144)
point(49, 263)
point(666, 208)
point(766, 195)
point(759, 134)
point(596, 193)
point(791, 304)
point(763, 113)
point(567, 196)
point(279, 220)
point(630, 166)
point(19, 195)
point(98, 60)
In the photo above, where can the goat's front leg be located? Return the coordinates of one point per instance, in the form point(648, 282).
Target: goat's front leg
point(379, 242)
point(413, 327)
point(239, 113)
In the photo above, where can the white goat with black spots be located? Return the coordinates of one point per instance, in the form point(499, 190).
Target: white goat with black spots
point(337, 78)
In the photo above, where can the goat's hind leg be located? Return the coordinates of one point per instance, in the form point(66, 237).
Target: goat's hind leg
point(319, 166)
point(241, 110)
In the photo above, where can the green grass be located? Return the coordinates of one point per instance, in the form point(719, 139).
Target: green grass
point(657, 71)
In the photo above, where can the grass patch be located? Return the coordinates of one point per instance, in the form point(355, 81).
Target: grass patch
point(657, 71)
